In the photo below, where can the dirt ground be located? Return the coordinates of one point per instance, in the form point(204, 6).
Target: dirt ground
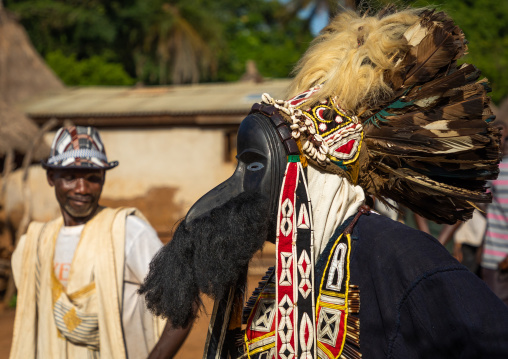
point(6, 324)
point(193, 346)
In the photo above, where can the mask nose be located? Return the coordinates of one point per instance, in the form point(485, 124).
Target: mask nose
point(216, 197)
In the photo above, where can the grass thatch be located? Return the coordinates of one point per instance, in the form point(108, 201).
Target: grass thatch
point(23, 75)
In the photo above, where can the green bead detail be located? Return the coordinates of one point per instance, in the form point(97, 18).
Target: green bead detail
point(293, 158)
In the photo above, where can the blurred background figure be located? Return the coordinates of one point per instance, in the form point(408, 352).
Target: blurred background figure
point(494, 263)
point(468, 239)
point(463, 239)
point(390, 212)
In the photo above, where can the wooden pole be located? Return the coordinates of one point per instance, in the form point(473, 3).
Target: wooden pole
point(27, 194)
point(8, 166)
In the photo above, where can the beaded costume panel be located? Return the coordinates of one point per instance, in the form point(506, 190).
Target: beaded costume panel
point(337, 330)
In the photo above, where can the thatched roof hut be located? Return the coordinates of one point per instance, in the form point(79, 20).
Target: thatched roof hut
point(17, 132)
point(23, 75)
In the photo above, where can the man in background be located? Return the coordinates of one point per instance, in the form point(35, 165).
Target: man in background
point(78, 275)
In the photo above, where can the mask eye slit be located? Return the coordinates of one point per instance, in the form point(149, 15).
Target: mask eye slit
point(255, 166)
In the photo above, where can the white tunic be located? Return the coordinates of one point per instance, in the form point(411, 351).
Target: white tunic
point(141, 244)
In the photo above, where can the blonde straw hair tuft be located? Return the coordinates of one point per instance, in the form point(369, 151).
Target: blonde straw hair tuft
point(353, 57)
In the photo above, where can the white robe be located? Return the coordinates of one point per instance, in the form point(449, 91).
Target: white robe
point(95, 286)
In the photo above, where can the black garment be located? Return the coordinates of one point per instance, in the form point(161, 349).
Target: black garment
point(417, 301)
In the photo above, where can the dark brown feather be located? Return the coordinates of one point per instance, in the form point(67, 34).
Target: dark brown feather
point(430, 146)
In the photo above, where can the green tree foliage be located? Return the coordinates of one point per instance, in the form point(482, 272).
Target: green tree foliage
point(80, 27)
point(254, 30)
point(313, 9)
point(180, 41)
point(161, 41)
point(90, 71)
point(485, 24)
point(175, 41)
point(76, 38)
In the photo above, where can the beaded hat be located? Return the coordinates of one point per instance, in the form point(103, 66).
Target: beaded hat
point(78, 147)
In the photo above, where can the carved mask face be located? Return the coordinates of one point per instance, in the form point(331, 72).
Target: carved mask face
point(211, 249)
point(261, 165)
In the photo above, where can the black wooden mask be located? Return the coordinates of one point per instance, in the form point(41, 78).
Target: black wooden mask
point(262, 161)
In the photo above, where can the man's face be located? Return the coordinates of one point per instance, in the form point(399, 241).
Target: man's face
point(77, 192)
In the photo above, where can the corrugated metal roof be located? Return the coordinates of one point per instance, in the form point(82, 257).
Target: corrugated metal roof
point(199, 99)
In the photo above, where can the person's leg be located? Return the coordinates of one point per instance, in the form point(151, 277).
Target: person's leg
point(469, 257)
